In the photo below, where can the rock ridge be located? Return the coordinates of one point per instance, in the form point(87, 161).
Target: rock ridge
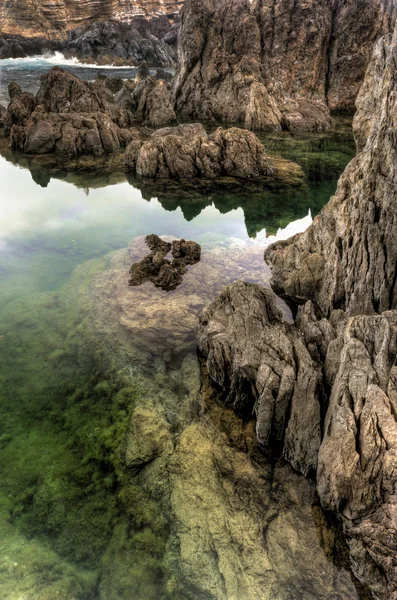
point(271, 64)
point(325, 386)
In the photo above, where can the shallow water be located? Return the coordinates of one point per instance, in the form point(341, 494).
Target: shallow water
point(86, 360)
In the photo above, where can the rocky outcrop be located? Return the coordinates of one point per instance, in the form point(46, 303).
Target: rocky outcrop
point(69, 116)
point(163, 273)
point(336, 396)
point(149, 100)
point(275, 64)
point(138, 41)
point(264, 366)
point(52, 19)
point(347, 258)
point(19, 109)
point(187, 153)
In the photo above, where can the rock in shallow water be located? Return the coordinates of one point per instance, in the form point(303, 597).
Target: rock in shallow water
point(163, 273)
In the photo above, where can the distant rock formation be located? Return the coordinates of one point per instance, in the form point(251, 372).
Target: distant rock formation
point(324, 390)
point(269, 64)
point(54, 18)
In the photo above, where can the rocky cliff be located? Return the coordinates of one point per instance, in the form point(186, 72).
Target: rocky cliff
point(324, 388)
point(271, 63)
point(54, 18)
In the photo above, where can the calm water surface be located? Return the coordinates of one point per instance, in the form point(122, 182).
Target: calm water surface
point(71, 519)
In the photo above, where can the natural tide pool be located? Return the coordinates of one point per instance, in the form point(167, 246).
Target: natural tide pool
point(122, 478)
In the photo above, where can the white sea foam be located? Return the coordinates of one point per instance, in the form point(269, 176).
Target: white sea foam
point(52, 59)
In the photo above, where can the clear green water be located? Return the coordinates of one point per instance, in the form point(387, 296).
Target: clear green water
point(74, 522)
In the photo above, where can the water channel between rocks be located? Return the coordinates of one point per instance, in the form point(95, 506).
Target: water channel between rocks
point(123, 477)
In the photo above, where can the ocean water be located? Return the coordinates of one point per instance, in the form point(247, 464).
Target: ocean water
point(182, 509)
point(27, 71)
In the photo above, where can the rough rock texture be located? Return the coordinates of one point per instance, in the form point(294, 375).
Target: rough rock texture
point(149, 100)
point(271, 64)
point(53, 18)
point(343, 271)
point(347, 258)
point(138, 41)
point(264, 366)
point(19, 109)
point(164, 273)
point(188, 151)
point(72, 118)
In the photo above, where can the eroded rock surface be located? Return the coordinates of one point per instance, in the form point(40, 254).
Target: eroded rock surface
point(342, 272)
point(164, 273)
point(347, 258)
point(275, 64)
point(187, 153)
point(241, 527)
point(69, 116)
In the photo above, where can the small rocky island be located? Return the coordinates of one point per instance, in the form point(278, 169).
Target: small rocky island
point(250, 447)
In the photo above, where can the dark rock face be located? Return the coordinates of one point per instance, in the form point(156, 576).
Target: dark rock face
point(136, 42)
point(275, 64)
point(341, 388)
point(163, 273)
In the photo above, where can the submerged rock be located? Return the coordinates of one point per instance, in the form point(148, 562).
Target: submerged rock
point(164, 273)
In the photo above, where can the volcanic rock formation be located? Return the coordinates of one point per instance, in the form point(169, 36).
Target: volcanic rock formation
point(53, 19)
point(271, 64)
point(324, 388)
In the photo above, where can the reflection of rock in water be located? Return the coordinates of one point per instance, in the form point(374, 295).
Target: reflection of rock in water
point(163, 273)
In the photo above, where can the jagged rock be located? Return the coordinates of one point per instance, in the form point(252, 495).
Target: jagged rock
point(165, 274)
point(70, 135)
point(20, 107)
point(262, 364)
point(151, 103)
point(3, 111)
point(62, 92)
point(275, 64)
point(72, 118)
point(347, 258)
point(188, 151)
point(358, 456)
point(136, 42)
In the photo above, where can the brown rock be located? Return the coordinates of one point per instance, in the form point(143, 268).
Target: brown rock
point(276, 63)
